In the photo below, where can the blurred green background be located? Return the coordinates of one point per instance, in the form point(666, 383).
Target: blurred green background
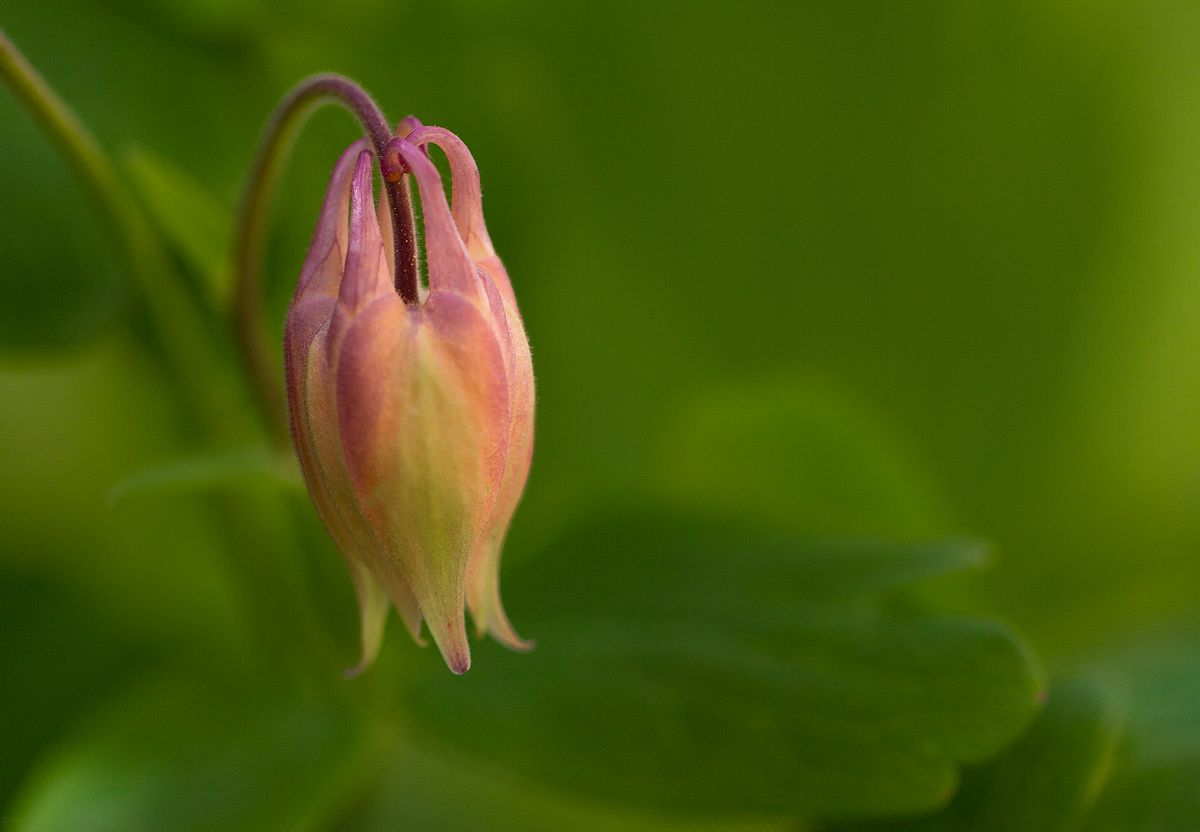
point(902, 271)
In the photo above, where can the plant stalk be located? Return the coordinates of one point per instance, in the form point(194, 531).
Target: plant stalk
point(177, 327)
point(261, 360)
point(267, 579)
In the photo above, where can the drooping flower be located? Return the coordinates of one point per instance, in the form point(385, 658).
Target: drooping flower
point(413, 422)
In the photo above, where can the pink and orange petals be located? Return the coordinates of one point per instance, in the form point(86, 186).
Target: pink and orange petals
point(413, 422)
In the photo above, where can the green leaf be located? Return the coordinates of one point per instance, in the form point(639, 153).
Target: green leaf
point(1164, 797)
point(175, 755)
point(427, 789)
point(207, 472)
point(1047, 782)
point(193, 220)
point(1161, 672)
point(800, 456)
point(1094, 760)
point(68, 654)
point(1157, 785)
point(684, 667)
point(61, 286)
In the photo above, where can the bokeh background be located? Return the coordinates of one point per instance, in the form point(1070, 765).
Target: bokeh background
point(900, 270)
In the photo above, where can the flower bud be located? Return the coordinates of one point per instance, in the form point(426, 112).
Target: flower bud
point(413, 422)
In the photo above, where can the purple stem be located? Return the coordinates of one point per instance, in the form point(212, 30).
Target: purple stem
point(250, 229)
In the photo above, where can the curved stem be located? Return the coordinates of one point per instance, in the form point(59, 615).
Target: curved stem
point(178, 327)
point(250, 229)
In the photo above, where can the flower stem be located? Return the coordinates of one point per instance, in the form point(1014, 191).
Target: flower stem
point(177, 327)
point(304, 99)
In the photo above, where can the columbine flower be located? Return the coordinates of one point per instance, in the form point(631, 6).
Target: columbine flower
point(413, 422)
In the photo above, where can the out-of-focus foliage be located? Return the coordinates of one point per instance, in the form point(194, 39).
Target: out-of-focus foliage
point(707, 670)
point(192, 219)
point(797, 455)
point(1048, 781)
point(156, 762)
point(849, 278)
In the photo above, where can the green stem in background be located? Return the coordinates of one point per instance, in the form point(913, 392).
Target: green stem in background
point(265, 571)
point(262, 360)
point(178, 328)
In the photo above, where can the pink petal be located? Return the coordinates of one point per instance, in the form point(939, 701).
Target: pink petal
point(477, 358)
point(449, 266)
point(403, 454)
point(407, 125)
point(367, 276)
point(467, 204)
point(326, 253)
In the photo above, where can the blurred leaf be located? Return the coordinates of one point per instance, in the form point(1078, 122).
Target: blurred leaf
point(1047, 782)
point(192, 219)
point(802, 457)
point(208, 472)
point(175, 755)
point(59, 281)
point(69, 655)
point(427, 789)
point(687, 667)
point(1158, 798)
point(1157, 785)
point(1091, 762)
point(203, 21)
point(1161, 673)
point(71, 428)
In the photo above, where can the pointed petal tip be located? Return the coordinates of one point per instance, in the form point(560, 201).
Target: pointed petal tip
point(503, 632)
point(370, 652)
point(521, 645)
point(490, 618)
point(452, 641)
point(497, 625)
point(364, 664)
point(459, 663)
